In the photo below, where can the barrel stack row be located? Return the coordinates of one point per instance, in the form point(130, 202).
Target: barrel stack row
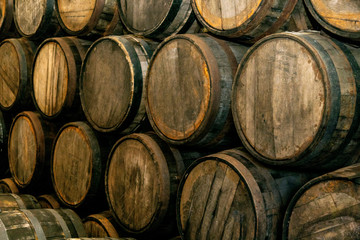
point(202, 119)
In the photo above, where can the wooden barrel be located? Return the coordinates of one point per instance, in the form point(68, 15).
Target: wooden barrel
point(249, 20)
point(56, 70)
point(141, 180)
point(194, 107)
point(49, 201)
point(5, 122)
point(7, 185)
point(17, 55)
point(157, 19)
point(40, 224)
point(36, 19)
point(101, 225)
point(76, 165)
point(338, 17)
point(112, 80)
point(7, 26)
point(10, 201)
point(296, 100)
point(326, 207)
point(29, 147)
point(89, 17)
point(104, 238)
point(230, 196)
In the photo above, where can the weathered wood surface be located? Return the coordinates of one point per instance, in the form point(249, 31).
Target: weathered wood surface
point(49, 201)
point(76, 164)
point(247, 20)
point(101, 225)
point(40, 224)
point(89, 17)
point(56, 70)
point(194, 107)
point(141, 182)
point(112, 82)
point(36, 19)
point(7, 185)
point(295, 100)
point(229, 196)
point(7, 25)
point(157, 19)
point(10, 201)
point(326, 207)
point(16, 56)
point(339, 17)
point(29, 147)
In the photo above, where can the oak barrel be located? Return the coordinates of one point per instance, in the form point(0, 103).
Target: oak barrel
point(40, 224)
point(36, 19)
point(188, 88)
point(49, 201)
point(76, 165)
point(7, 25)
point(56, 70)
point(101, 225)
point(326, 207)
point(7, 185)
point(17, 55)
point(296, 101)
point(141, 180)
point(10, 201)
point(339, 17)
point(5, 122)
point(112, 83)
point(228, 195)
point(249, 20)
point(157, 19)
point(89, 17)
point(29, 148)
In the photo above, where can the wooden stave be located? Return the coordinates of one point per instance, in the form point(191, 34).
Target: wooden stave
point(74, 50)
point(49, 201)
point(310, 158)
point(7, 185)
point(349, 173)
point(49, 25)
point(161, 31)
point(97, 167)
point(164, 222)
point(64, 220)
point(90, 29)
point(135, 117)
point(10, 201)
point(103, 220)
point(26, 51)
point(44, 134)
point(218, 123)
point(266, 185)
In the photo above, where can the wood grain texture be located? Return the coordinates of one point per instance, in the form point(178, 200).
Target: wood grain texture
point(188, 89)
point(15, 73)
point(249, 20)
point(41, 224)
point(140, 182)
point(7, 185)
point(295, 100)
point(49, 201)
point(76, 164)
point(101, 225)
point(339, 17)
point(36, 19)
point(156, 19)
point(10, 201)
point(229, 196)
point(56, 70)
point(326, 207)
point(84, 17)
point(111, 83)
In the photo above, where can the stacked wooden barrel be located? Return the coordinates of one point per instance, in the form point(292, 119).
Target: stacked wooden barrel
point(178, 119)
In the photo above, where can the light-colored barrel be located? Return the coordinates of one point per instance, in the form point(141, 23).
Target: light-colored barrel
point(10, 201)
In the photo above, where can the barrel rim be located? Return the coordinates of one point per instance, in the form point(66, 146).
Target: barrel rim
point(95, 163)
point(104, 222)
point(10, 183)
point(7, 12)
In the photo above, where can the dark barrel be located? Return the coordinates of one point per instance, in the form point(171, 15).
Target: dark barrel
point(296, 101)
point(101, 225)
point(228, 195)
point(7, 185)
point(7, 25)
point(49, 201)
point(112, 83)
point(194, 107)
point(326, 207)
